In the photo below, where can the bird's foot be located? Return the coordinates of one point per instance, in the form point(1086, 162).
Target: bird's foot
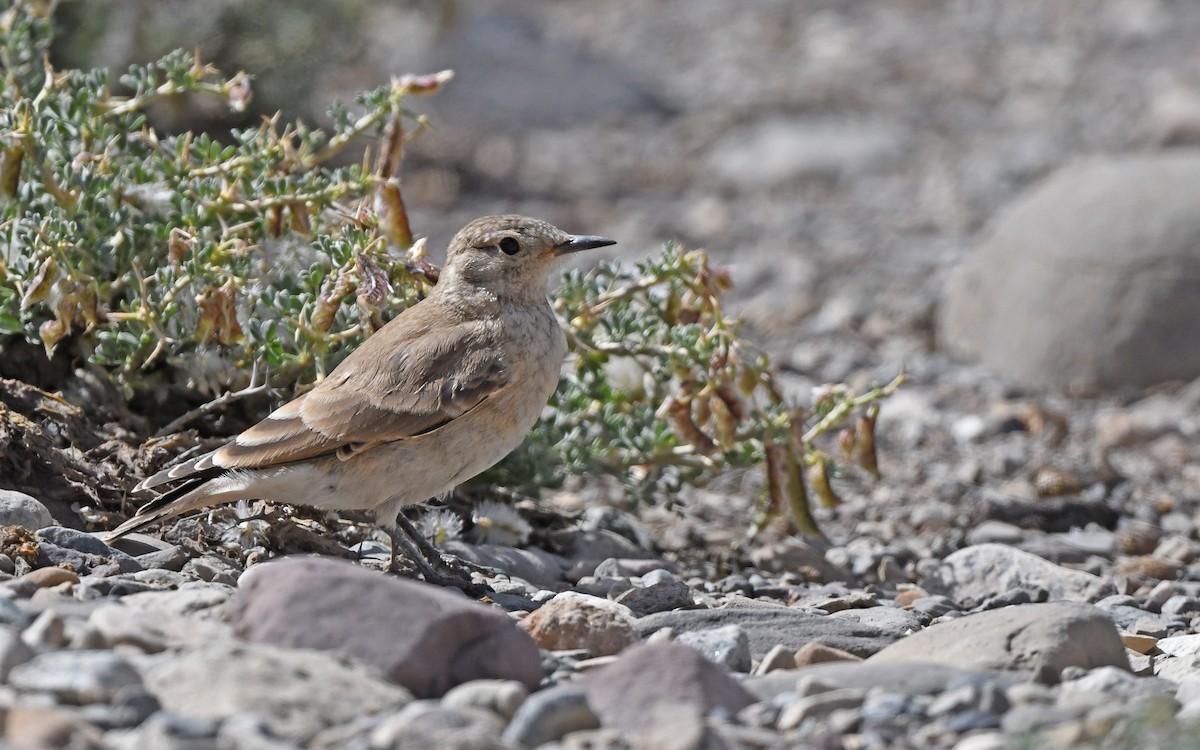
point(426, 557)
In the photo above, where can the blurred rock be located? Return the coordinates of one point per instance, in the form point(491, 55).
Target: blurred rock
point(571, 620)
point(418, 635)
point(19, 509)
point(1091, 279)
point(987, 570)
point(224, 678)
point(649, 678)
point(1040, 640)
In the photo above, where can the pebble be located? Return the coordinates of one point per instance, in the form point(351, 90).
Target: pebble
point(572, 620)
point(550, 715)
point(726, 646)
point(75, 677)
point(19, 509)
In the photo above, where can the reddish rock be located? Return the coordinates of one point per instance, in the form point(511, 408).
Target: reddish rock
point(572, 620)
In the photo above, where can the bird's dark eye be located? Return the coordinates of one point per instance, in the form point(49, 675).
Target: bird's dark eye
point(510, 246)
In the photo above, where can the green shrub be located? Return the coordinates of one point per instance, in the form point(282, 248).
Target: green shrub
point(214, 257)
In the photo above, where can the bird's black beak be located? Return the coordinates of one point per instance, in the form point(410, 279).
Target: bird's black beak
point(575, 243)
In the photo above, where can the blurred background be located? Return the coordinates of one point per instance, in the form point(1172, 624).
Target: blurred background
point(840, 157)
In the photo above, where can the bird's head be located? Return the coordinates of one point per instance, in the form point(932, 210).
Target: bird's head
point(510, 255)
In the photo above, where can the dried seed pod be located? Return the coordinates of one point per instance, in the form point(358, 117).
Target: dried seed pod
point(865, 453)
point(274, 224)
point(218, 316)
point(179, 243)
point(51, 332)
point(301, 222)
point(329, 301)
point(737, 407)
point(724, 425)
point(1052, 482)
point(818, 476)
point(11, 159)
point(40, 284)
point(847, 441)
point(679, 411)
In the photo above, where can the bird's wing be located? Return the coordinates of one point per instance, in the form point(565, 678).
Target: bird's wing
point(408, 379)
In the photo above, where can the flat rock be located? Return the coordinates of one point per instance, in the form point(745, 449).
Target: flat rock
point(539, 567)
point(75, 677)
point(908, 678)
point(418, 635)
point(767, 627)
point(650, 678)
point(1035, 639)
point(1021, 305)
point(221, 679)
point(19, 509)
point(152, 630)
point(983, 571)
point(796, 556)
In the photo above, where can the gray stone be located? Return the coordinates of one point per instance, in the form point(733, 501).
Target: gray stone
point(536, 566)
point(152, 630)
point(1181, 658)
point(501, 697)
point(890, 619)
point(796, 556)
point(418, 635)
point(1109, 683)
point(1181, 605)
point(549, 715)
point(429, 724)
point(166, 731)
point(646, 679)
point(819, 706)
point(1040, 640)
point(19, 509)
point(909, 678)
point(726, 646)
point(220, 679)
point(1091, 279)
point(767, 627)
point(657, 597)
point(92, 551)
point(984, 571)
point(78, 677)
point(780, 149)
point(13, 651)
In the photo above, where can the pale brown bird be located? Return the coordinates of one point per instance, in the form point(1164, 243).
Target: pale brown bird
point(439, 394)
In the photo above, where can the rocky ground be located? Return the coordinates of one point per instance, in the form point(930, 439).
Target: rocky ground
point(1027, 573)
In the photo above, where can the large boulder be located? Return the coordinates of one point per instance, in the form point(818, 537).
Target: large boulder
point(1090, 280)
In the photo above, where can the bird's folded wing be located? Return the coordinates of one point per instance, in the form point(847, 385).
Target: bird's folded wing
point(387, 390)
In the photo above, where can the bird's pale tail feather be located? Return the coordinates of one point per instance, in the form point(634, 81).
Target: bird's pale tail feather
point(201, 494)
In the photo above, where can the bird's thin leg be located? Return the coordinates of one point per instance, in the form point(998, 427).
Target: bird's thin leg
point(432, 556)
point(401, 539)
point(425, 556)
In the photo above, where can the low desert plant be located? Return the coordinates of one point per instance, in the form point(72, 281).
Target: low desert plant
point(217, 257)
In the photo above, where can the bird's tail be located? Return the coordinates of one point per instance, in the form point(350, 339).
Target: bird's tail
point(191, 495)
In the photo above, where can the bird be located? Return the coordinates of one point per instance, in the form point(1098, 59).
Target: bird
point(439, 394)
